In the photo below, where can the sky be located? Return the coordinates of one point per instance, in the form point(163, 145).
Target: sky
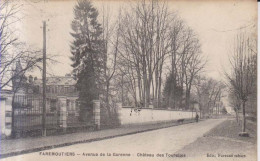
point(214, 22)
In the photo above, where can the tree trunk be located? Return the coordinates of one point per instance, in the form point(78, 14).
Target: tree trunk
point(148, 93)
point(156, 87)
point(107, 99)
point(140, 88)
point(244, 117)
point(159, 91)
point(122, 83)
point(187, 99)
point(237, 115)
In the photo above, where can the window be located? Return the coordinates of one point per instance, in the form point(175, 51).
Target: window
point(53, 105)
point(68, 104)
point(72, 105)
point(36, 89)
point(77, 104)
point(51, 90)
point(48, 89)
point(61, 89)
point(66, 90)
point(54, 89)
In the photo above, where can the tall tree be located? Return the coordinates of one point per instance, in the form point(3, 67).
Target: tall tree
point(235, 103)
point(208, 93)
point(87, 55)
point(172, 91)
point(150, 33)
point(193, 66)
point(243, 76)
point(176, 35)
point(12, 50)
point(111, 42)
point(144, 46)
point(187, 62)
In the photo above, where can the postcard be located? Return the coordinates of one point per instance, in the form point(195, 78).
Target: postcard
point(135, 80)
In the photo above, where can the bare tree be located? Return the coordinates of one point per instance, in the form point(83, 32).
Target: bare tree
point(177, 31)
point(12, 50)
point(145, 45)
point(208, 93)
point(150, 34)
point(235, 103)
point(242, 79)
point(187, 62)
point(111, 45)
point(194, 65)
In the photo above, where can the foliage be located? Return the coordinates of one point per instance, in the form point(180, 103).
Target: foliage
point(224, 111)
point(208, 93)
point(109, 121)
point(172, 91)
point(86, 49)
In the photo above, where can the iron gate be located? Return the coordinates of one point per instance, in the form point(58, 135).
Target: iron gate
point(28, 112)
point(27, 115)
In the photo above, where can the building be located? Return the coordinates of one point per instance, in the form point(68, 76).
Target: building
point(28, 92)
point(56, 87)
point(22, 107)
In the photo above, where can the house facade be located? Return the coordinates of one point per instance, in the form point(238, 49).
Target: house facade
point(29, 94)
point(61, 96)
point(57, 87)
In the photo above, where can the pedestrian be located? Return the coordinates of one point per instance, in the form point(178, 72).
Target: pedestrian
point(197, 118)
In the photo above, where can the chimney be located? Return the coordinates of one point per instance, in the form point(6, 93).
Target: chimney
point(30, 79)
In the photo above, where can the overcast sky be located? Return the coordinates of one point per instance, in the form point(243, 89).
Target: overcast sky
point(215, 23)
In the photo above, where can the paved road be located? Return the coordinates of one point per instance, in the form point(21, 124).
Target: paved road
point(141, 146)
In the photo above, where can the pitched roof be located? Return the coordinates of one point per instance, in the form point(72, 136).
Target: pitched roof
point(59, 80)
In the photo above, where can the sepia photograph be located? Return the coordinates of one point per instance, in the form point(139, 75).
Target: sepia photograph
point(128, 80)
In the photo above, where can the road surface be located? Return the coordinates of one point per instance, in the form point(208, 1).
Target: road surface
point(159, 144)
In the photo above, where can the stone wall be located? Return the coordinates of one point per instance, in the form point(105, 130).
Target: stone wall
point(131, 116)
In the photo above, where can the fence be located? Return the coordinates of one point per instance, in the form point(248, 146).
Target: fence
point(26, 116)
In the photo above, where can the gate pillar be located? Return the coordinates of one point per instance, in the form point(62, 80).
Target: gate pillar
point(8, 115)
point(119, 111)
point(62, 112)
point(96, 113)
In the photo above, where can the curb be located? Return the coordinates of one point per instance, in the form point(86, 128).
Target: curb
point(6, 155)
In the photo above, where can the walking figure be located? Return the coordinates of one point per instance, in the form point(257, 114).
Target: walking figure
point(197, 118)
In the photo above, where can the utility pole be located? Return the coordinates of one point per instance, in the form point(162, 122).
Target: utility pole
point(122, 89)
point(44, 82)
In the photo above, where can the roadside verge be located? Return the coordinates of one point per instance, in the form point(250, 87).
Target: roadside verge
point(14, 147)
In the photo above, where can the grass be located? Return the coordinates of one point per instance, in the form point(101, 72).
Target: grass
point(224, 139)
point(230, 129)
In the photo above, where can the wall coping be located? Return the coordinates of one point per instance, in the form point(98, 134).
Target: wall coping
point(162, 109)
point(95, 101)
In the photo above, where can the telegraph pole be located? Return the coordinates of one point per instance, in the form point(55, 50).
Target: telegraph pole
point(44, 82)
